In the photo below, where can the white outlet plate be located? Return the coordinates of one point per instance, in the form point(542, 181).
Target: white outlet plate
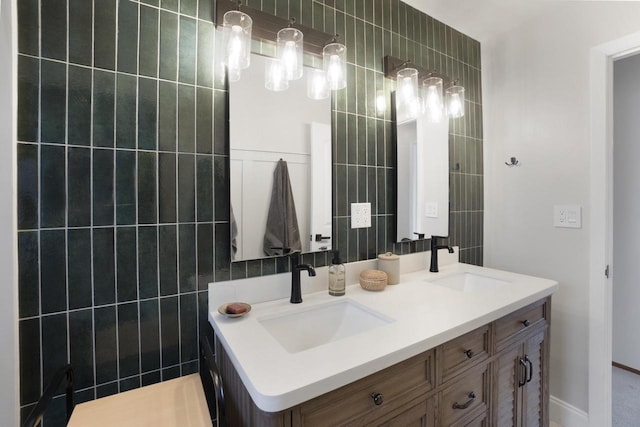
point(567, 216)
point(360, 215)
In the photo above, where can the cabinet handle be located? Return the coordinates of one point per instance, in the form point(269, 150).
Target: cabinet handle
point(377, 398)
point(469, 353)
point(472, 398)
point(525, 323)
point(526, 359)
point(523, 363)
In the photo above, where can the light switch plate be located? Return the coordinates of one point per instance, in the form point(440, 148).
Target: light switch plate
point(431, 209)
point(360, 215)
point(567, 216)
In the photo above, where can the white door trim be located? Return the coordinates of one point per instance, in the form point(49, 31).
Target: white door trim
point(601, 227)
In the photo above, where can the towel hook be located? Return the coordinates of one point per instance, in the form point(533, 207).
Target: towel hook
point(513, 162)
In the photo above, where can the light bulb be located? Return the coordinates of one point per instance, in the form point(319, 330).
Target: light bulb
point(455, 101)
point(234, 48)
point(406, 89)
point(317, 87)
point(274, 78)
point(335, 65)
point(408, 101)
point(334, 70)
point(237, 39)
point(289, 59)
point(289, 48)
point(381, 102)
point(433, 104)
point(455, 106)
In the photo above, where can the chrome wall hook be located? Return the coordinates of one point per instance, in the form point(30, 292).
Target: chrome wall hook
point(513, 162)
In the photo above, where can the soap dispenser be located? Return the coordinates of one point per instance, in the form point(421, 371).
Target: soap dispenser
point(336, 276)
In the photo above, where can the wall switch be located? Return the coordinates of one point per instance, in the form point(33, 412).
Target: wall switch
point(360, 215)
point(567, 216)
point(431, 209)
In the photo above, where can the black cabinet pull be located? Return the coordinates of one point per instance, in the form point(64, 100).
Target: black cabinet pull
point(472, 398)
point(377, 398)
point(469, 353)
point(530, 376)
point(525, 323)
point(523, 363)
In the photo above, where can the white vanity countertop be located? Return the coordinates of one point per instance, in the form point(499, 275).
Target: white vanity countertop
point(424, 316)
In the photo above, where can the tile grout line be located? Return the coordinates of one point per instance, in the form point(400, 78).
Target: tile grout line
point(91, 209)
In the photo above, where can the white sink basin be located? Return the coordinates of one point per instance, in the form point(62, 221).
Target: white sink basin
point(469, 282)
point(313, 326)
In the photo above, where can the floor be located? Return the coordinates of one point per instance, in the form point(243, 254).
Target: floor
point(625, 398)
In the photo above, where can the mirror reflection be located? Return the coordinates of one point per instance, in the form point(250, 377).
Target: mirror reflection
point(423, 177)
point(280, 167)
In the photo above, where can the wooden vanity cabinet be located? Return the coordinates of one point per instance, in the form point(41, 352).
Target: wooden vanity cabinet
point(373, 399)
point(496, 375)
point(521, 382)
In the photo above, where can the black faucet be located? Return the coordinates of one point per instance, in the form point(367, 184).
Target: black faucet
point(296, 268)
point(434, 252)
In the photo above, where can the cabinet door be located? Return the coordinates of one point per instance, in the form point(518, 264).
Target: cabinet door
point(521, 392)
point(508, 374)
point(534, 393)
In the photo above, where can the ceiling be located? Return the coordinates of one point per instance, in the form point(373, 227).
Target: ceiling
point(480, 19)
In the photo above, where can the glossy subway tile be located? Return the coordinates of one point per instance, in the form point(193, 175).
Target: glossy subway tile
point(80, 34)
point(123, 173)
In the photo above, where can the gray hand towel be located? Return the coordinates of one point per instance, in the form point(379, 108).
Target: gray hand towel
point(282, 222)
point(234, 235)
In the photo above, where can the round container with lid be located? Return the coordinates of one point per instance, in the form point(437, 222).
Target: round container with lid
point(390, 264)
point(373, 280)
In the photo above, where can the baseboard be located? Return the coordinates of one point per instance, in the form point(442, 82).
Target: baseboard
point(566, 415)
point(626, 368)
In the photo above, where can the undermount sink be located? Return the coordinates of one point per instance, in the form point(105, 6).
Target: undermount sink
point(469, 282)
point(313, 326)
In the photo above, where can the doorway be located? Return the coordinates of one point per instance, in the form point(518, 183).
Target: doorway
point(601, 225)
point(626, 229)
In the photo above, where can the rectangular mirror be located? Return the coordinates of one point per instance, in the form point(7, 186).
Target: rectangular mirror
point(266, 127)
point(423, 178)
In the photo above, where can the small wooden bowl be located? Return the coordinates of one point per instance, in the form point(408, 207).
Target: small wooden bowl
point(373, 280)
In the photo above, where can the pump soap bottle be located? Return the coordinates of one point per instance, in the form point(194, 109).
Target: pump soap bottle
point(336, 276)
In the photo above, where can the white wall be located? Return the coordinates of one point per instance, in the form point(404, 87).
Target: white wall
point(626, 226)
point(8, 281)
point(536, 107)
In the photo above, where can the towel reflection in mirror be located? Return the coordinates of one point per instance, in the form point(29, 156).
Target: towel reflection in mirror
point(282, 221)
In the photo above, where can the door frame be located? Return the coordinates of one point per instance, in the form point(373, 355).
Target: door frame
point(601, 224)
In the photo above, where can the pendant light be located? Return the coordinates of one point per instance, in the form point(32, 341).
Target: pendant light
point(433, 105)
point(454, 95)
point(335, 64)
point(236, 29)
point(289, 51)
point(274, 76)
point(407, 94)
point(317, 85)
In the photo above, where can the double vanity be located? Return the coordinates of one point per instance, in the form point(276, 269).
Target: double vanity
point(465, 346)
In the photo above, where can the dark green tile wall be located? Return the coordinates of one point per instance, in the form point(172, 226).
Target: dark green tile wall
point(116, 188)
point(123, 195)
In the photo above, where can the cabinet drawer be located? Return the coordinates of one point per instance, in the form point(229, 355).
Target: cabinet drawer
point(463, 352)
point(518, 321)
point(354, 404)
point(479, 420)
point(469, 395)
